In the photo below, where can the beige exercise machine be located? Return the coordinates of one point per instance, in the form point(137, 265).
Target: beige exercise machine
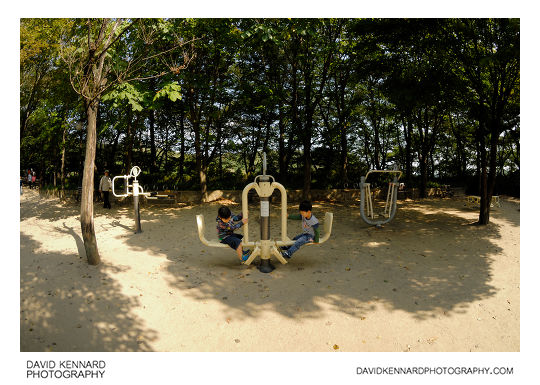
point(366, 203)
point(264, 185)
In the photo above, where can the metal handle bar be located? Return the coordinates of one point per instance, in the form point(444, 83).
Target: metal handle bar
point(126, 177)
point(266, 176)
point(385, 171)
point(135, 171)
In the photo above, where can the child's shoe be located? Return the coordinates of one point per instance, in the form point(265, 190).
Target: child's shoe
point(285, 255)
point(245, 255)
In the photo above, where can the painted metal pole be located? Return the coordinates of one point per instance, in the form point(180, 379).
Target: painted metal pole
point(137, 213)
point(265, 191)
point(136, 192)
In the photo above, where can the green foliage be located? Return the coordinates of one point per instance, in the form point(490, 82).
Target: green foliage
point(127, 93)
point(368, 93)
point(171, 91)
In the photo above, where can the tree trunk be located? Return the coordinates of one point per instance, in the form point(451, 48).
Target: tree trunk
point(483, 218)
point(204, 186)
point(422, 158)
point(31, 104)
point(488, 179)
point(423, 176)
point(63, 163)
point(182, 145)
point(87, 198)
point(112, 153)
point(343, 155)
point(281, 141)
point(306, 142)
point(306, 194)
point(220, 163)
point(407, 133)
point(129, 143)
point(199, 161)
point(151, 124)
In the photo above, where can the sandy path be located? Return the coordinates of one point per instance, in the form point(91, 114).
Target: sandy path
point(428, 281)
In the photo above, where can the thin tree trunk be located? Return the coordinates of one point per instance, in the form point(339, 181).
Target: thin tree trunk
point(488, 178)
point(166, 161)
point(483, 218)
point(63, 163)
point(151, 124)
point(408, 149)
point(344, 154)
point(129, 142)
point(422, 156)
point(112, 154)
point(306, 136)
point(182, 145)
point(87, 198)
point(281, 141)
point(204, 185)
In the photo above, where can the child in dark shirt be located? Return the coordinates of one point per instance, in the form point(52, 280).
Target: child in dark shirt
point(226, 224)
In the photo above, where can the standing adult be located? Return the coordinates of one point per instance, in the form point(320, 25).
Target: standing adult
point(29, 178)
point(104, 187)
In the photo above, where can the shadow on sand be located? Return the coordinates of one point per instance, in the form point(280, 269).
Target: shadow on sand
point(102, 317)
point(406, 266)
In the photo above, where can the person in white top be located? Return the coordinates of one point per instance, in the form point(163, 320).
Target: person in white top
point(104, 188)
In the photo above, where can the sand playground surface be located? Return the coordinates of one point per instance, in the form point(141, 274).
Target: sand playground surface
point(428, 281)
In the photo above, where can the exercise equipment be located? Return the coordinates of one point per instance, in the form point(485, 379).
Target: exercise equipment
point(366, 204)
point(264, 185)
point(136, 191)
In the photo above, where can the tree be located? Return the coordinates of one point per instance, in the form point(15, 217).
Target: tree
point(487, 61)
point(325, 98)
point(100, 57)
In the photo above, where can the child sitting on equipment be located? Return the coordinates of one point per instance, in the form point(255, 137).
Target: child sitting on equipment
point(225, 228)
point(310, 226)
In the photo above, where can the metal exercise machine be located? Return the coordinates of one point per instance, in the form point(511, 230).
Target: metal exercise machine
point(265, 185)
point(136, 191)
point(366, 203)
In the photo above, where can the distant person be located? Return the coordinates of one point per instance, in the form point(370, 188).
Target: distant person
point(225, 228)
point(104, 188)
point(21, 180)
point(29, 178)
point(310, 227)
point(34, 179)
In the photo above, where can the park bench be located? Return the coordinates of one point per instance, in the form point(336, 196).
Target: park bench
point(167, 197)
point(474, 200)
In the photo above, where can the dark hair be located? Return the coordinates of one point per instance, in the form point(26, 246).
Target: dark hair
point(305, 206)
point(224, 212)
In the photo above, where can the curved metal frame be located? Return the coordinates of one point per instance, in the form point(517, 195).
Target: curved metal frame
point(391, 198)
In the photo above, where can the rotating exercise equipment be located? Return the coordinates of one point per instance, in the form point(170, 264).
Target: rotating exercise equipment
point(264, 185)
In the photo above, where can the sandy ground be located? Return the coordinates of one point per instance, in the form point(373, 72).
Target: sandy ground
point(428, 281)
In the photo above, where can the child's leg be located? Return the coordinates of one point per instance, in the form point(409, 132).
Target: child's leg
point(235, 242)
point(294, 239)
point(301, 240)
point(239, 251)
